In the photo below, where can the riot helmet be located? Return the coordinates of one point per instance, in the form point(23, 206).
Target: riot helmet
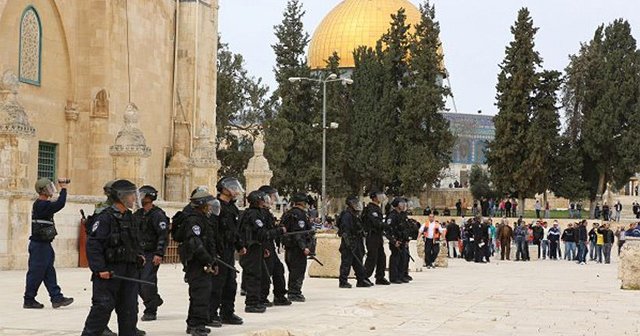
point(45, 186)
point(232, 185)
point(273, 195)
point(399, 203)
point(354, 203)
point(107, 188)
point(148, 191)
point(299, 198)
point(126, 193)
point(199, 188)
point(257, 196)
point(206, 202)
point(378, 195)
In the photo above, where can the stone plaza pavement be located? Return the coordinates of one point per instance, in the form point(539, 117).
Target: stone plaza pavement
point(499, 298)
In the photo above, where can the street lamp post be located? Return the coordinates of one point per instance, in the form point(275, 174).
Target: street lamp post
point(331, 78)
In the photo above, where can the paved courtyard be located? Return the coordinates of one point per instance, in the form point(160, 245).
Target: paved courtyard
point(500, 298)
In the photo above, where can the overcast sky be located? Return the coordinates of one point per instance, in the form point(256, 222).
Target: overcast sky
point(474, 34)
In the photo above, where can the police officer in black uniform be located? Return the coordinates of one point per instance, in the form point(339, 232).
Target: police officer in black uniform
point(256, 235)
point(41, 253)
point(197, 254)
point(113, 248)
point(274, 265)
point(373, 223)
point(351, 247)
point(397, 235)
point(154, 227)
point(223, 294)
point(297, 247)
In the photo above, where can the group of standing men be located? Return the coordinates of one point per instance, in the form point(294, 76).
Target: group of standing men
point(358, 227)
point(125, 249)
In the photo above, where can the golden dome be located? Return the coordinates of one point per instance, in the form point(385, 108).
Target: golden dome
point(354, 23)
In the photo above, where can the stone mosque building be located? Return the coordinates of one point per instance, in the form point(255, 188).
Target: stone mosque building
point(95, 90)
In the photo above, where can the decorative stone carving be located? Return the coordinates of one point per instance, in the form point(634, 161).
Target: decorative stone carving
point(71, 111)
point(30, 36)
point(204, 162)
point(13, 117)
point(130, 141)
point(204, 151)
point(100, 105)
point(257, 172)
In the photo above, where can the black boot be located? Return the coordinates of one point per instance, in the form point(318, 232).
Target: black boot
point(32, 305)
point(344, 285)
point(281, 301)
point(382, 281)
point(363, 283)
point(255, 309)
point(63, 302)
point(231, 319)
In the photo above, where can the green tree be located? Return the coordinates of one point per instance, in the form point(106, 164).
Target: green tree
point(605, 96)
point(292, 144)
point(422, 130)
point(517, 83)
point(543, 136)
point(241, 108)
point(395, 67)
point(367, 129)
point(480, 183)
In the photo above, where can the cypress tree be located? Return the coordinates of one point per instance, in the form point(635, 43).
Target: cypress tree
point(517, 82)
point(422, 129)
point(292, 144)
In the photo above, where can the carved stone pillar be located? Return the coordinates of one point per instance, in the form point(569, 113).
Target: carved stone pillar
point(15, 131)
point(178, 176)
point(257, 173)
point(204, 163)
point(129, 149)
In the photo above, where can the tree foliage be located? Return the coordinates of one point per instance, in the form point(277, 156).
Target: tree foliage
point(241, 108)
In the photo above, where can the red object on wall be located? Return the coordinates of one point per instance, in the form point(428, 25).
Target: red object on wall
point(82, 245)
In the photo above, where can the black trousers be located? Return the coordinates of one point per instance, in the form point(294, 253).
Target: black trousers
point(398, 262)
point(275, 269)
point(376, 258)
point(224, 287)
point(199, 294)
point(297, 264)
point(431, 251)
point(113, 294)
point(351, 256)
point(478, 253)
point(149, 294)
point(553, 248)
point(252, 274)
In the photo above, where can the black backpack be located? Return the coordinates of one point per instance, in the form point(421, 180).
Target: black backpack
point(177, 226)
point(339, 223)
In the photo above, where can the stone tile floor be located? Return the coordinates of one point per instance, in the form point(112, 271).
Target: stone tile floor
point(499, 298)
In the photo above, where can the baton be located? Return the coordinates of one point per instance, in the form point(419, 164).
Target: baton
point(221, 262)
point(142, 282)
point(82, 213)
point(266, 269)
point(313, 257)
point(293, 233)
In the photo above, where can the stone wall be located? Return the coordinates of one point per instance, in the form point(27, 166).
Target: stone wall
point(15, 208)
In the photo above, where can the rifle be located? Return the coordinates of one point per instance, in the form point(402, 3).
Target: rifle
point(221, 262)
point(313, 257)
point(293, 233)
point(142, 282)
point(409, 254)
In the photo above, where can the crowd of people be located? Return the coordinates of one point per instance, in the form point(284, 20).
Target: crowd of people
point(478, 240)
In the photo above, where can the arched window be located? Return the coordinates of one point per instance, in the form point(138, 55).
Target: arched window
point(30, 47)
